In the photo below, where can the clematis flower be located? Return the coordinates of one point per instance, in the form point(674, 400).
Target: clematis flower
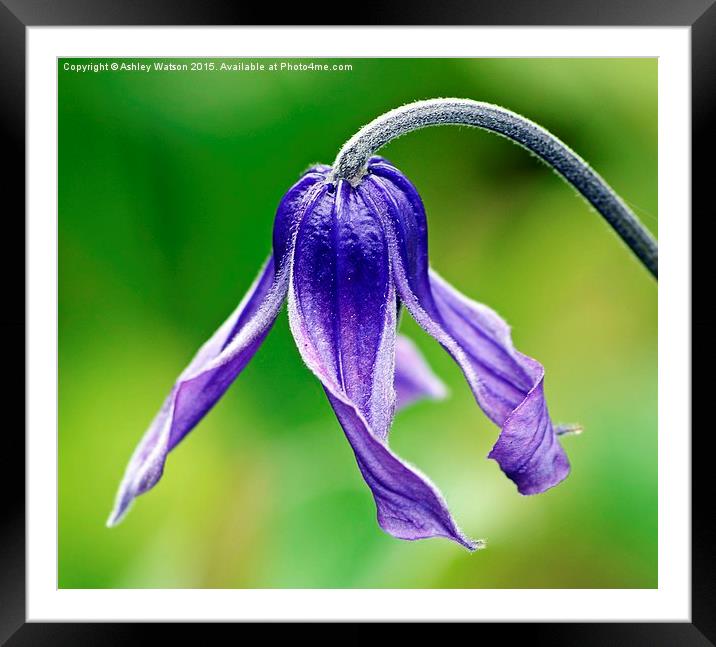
point(347, 257)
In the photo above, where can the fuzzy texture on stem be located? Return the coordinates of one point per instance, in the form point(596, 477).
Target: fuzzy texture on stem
point(351, 161)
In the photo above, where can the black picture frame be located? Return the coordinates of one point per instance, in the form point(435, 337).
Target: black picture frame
point(17, 15)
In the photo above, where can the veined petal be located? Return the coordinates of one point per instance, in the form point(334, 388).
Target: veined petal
point(342, 312)
point(414, 379)
point(340, 278)
point(409, 506)
point(507, 385)
point(225, 354)
point(291, 209)
point(214, 367)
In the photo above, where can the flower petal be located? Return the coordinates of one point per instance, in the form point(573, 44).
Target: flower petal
point(214, 367)
point(507, 385)
point(409, 506)
point(292, 207)
point(342, 312)
point(341, 281)
point(414, 379)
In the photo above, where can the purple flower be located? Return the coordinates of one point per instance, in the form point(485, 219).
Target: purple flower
point(347, 258)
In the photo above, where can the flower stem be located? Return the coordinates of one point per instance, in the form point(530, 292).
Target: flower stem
point(352, 158)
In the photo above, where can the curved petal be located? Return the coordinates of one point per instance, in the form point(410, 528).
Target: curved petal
point(409, 506)
point(414, 379)
point(214, 367)
point(507, 385)
point(342, 312)
point(291, 209)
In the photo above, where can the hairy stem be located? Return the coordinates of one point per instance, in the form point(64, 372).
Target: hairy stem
point(352, 158)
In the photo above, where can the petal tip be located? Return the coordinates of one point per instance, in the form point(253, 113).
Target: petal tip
point(440, 390)
point(114, 518)
point(572, 429)
point(477, 544)
point(435, 388)
point(121, 507)
point(473, 545)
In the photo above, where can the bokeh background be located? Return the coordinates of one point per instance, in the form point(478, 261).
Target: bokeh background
point(168, 184)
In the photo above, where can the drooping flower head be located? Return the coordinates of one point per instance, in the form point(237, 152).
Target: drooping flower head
point(347, 256)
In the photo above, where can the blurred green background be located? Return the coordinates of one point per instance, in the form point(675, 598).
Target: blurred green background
point(168, 183)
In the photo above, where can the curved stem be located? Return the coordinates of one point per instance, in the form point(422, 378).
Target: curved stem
point(352, 158)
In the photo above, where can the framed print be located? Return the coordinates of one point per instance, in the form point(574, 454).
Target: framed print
point(306, 341)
